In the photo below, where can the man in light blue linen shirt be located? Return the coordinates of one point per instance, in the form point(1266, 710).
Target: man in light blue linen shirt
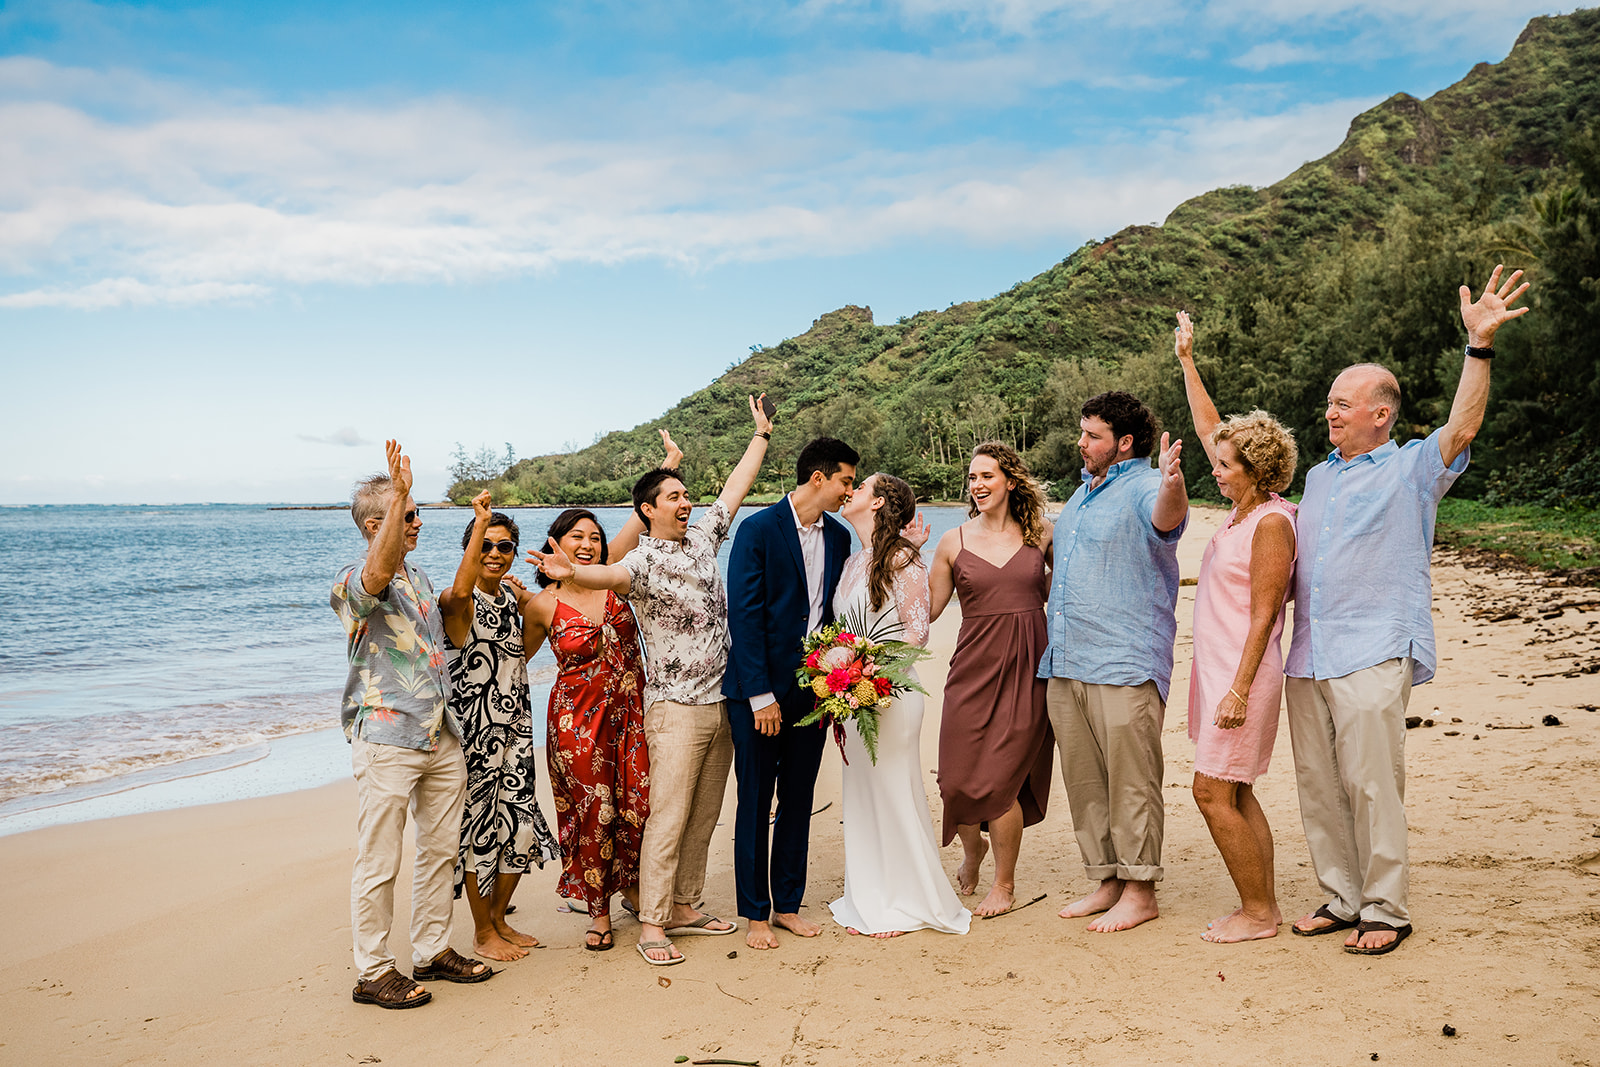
point(1113, 587)
point(1363, 629)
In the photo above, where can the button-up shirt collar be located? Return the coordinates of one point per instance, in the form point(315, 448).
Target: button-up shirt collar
point(813, 552)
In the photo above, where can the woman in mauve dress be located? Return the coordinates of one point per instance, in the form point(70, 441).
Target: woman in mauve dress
point(1236, 683)
point(995, 741)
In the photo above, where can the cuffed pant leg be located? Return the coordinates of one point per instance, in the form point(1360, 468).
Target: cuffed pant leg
point(1083, 772)
point(1129, 717)
point(436, 803)
point(1368, 709)
point(715, 760)
point(674, 770)
point(383, 790)
point(1324, 806)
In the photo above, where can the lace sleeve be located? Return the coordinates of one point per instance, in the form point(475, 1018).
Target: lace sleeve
point(911, 600)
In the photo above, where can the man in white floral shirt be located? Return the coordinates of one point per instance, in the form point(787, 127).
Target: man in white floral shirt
point(405, 747)
point(678, 595)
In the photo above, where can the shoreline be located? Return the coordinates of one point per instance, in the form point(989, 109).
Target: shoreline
point(221, 932)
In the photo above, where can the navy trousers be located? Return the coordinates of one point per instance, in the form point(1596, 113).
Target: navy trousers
point(785, 765)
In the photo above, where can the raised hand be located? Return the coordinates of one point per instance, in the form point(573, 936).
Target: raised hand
point(763, 424)
point(1493, 309)
point(480, 508)
point(916, 531)
point(1171, 469)
point(674, 458)
point(399, 468)
point(554, 563)
point(1183, 338)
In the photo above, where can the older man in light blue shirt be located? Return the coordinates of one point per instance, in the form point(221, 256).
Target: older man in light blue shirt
point(1363, 629)
point(1114, 584)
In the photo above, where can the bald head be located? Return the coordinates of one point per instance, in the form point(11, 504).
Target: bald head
point(1363, 404)
point(1377, 385)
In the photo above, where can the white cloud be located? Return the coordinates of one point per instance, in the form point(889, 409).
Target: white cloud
point(205, 201)
point(346, 436)
point(1274, 54)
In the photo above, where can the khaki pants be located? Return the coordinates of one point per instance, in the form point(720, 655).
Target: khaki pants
point(433, 785)
point(691, 752)
point(1109, 737)
point(1349, 737)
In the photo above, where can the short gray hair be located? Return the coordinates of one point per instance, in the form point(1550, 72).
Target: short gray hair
point(1384, 385)
point(370, 499)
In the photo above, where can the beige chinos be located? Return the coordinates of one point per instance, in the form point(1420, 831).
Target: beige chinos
point(691, 752)
point(1109, 737)
point(433, 785)
point(1349, 737)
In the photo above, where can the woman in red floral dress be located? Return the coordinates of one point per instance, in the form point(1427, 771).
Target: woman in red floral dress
point(599, 764)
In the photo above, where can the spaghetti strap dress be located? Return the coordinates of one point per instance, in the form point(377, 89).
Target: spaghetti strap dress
point(996, 747)
point(595, 746)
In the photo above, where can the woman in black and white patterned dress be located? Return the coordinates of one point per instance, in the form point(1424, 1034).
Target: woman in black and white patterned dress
point(502, 828)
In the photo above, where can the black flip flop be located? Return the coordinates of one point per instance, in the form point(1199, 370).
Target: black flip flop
point(605, 944)
point(1323, 913)
point(1373, 926)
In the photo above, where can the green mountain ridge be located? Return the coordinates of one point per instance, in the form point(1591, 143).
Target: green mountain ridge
point(1352, 257)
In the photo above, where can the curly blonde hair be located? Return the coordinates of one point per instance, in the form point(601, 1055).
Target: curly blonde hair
point(1026, 501)
point(1265, 448)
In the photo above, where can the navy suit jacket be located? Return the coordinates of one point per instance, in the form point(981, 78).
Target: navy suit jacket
point(768, 604)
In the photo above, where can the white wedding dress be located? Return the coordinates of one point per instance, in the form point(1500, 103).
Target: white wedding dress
point(892, 876)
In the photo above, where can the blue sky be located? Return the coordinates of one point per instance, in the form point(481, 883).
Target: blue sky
point(240, 245)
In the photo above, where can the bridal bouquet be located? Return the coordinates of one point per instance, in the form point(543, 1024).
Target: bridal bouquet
point(855, 671)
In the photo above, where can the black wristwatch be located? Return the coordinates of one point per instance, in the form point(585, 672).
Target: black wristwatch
point(1480, 353)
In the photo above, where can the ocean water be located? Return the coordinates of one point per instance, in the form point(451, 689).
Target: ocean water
point(137, 640)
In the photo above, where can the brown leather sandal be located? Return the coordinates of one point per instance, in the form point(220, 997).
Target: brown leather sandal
point(391, 989)
point(452, 966)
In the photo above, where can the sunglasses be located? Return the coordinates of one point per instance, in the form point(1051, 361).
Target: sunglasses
point(507, 548)
point(410, 516)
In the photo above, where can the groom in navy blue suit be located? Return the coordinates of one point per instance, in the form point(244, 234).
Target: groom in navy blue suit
point(782, 572)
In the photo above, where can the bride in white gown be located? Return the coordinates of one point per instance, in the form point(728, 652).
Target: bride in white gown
point(893, 881)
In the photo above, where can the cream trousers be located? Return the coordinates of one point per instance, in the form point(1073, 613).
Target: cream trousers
point(691, 752)
point(433, 785)
point(1349, 737)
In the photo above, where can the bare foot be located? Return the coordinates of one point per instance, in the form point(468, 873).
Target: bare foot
point(888, 933)
point(759, 935)
point(516, 937)
point(1240, 927)
point(1136, 905)
point(998, 901)
point(795, 925)
point(1101, 899)
point(967, 873)
point(1277, 917)
point(495, 947)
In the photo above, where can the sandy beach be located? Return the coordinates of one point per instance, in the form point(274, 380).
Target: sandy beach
point(220, 934)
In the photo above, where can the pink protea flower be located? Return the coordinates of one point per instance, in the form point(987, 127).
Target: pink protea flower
point(836, 658)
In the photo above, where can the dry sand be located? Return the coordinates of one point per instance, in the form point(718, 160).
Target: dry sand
point(221, 934)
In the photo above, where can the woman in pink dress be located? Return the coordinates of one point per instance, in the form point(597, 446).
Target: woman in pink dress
point(1236, 683)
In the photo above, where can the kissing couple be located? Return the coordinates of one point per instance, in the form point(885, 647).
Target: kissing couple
point(791, 572)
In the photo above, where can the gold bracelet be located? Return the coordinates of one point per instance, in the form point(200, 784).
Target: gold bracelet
point(1236, 696)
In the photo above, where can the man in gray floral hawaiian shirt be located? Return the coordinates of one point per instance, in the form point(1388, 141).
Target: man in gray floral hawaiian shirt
point(405, 746)
point(677, 593)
